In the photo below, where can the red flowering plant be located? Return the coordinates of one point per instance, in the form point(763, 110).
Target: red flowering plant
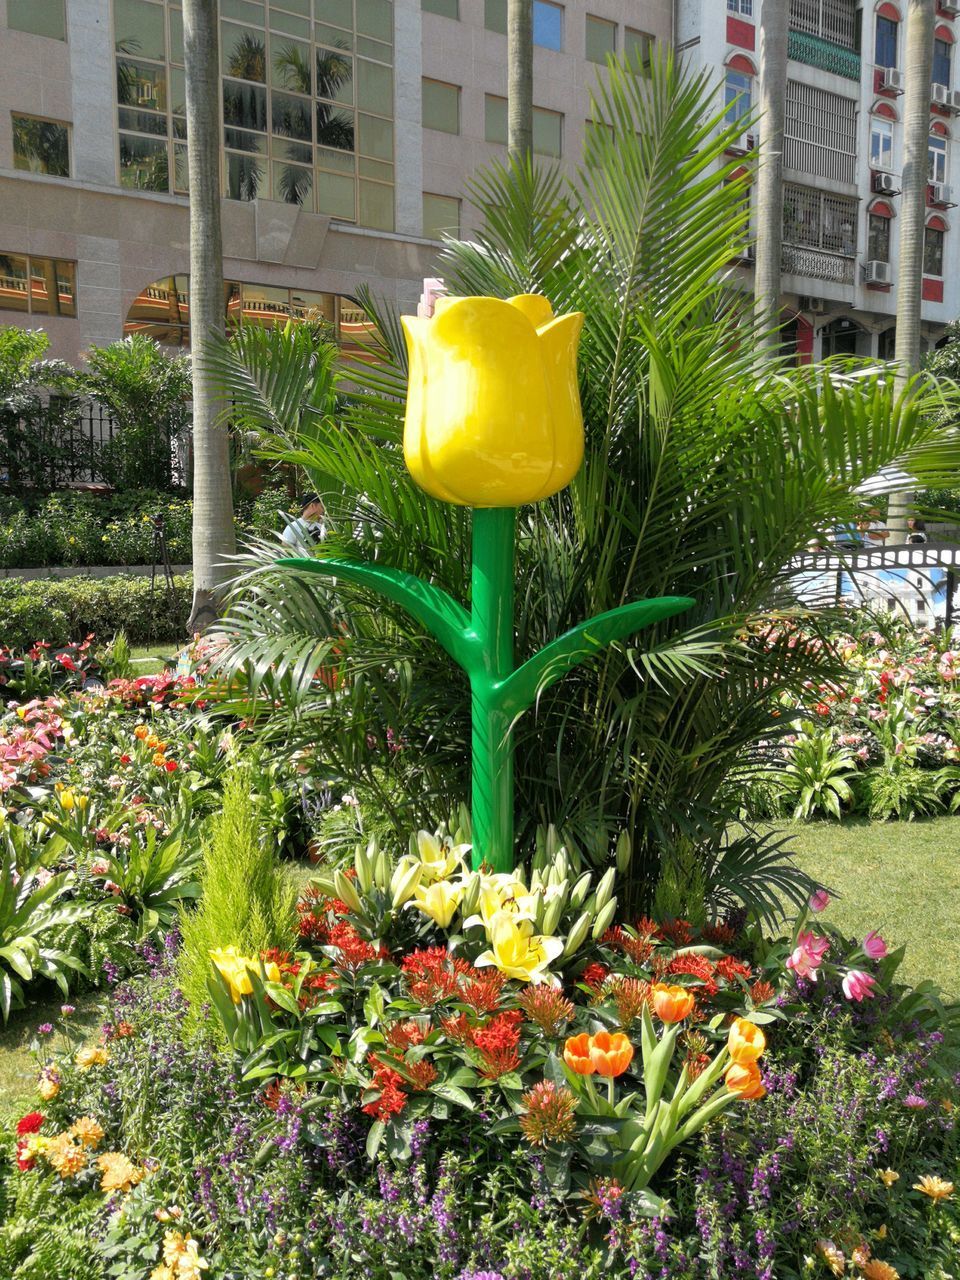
point(44, 669)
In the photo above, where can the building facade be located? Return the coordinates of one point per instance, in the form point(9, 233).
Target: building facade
point(843, 154)
point(352, 129)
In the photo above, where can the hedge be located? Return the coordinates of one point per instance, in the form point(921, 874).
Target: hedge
point(72, 608)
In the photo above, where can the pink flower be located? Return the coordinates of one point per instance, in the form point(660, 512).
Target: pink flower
point(874, 946)
point(858, 985)
point(808, 955)
point(819, 901)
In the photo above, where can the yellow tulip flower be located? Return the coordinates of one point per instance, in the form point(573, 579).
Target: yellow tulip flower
point(236, 968)
point(439, 901)
point(517, 952)
point(493, 408)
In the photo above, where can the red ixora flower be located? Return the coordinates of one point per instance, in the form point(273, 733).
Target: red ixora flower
point(696, 967)
point(433, 975)
point(595, 975)
point(497, 1043)
point(729, 968)
point(391, 1099)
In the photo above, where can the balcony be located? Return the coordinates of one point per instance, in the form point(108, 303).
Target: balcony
point(817, 264)
point(814, 51)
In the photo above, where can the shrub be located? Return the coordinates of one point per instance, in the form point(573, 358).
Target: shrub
point(246, 901)
point(57, 611)
point(76, 529)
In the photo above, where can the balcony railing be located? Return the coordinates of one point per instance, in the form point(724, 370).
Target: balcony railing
point(833, 20)
point(823, 54)
point(817, 264)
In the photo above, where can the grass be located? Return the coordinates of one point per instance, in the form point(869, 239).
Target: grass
point(150, 659)
point(18, 1063)
point(900, 878)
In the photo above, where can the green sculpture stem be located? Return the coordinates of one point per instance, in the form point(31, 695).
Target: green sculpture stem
point(482, 643)
point(491, 623)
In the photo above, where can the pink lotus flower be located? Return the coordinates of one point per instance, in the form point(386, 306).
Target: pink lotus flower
point(808, 955)
point(874, 946)
point(819, 901)
point(858, 985)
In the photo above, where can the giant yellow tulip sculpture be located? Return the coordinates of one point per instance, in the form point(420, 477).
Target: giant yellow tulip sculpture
point(493, 421)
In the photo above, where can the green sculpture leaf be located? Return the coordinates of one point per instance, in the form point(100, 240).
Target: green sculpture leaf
point(442, 616)
point(553, 661)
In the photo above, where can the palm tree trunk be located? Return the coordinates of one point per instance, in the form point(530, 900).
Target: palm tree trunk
point(918, 65)
point(774, 23)
point(520, 78)
point(213, 530)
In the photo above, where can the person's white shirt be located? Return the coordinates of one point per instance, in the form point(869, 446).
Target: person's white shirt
point(304, 534)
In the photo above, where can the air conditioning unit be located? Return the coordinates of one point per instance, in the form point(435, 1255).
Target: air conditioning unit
point(876, 272)
point(950, 7)
point(748, 253)
point(939, 95)
point(892, 80)
point(886, 184)
point(954, 103)
point(814, 306)
point(940, 193)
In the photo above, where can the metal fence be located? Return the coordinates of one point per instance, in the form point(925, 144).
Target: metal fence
point(69, 442)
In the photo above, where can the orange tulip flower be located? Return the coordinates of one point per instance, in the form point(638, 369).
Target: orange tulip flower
point(744, 1079)
point(746, 1042)
point(141, 731)
point(610, 1054)
point(576, 1054)
point(672, 1004)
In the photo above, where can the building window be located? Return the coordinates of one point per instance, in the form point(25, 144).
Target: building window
point(38, 286)
point(881, 144)
point(441, 216)
point(743, 7)
point(932, 252)
point(441, 106)
point(445, 8)
point(41, 146)
point(548, 25)
point(547, 133)
point(878, 238)
point(637, 46)
point(833, 20)
point(886, 50)
point(547, 21)
point(819, 220)
point(937, 158)
point(737, 96)
point(162, 311)
point(601, 39)
point(307, 107)
point(820, 133)
point(547, 126)
point(38, 17)
point(941, 62)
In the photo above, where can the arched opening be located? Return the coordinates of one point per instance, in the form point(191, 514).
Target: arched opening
point(844, 337)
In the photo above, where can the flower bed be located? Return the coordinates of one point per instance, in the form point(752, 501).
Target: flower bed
point(883, 741)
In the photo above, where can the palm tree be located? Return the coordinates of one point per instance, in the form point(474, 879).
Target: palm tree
point(918, 64)
point(705, 473)
point(520, 77)
point(774, 25)
point(213, 529)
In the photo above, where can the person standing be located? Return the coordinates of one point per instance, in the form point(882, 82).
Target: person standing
point(309, 528)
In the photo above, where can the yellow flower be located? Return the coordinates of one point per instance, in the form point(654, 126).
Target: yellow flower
point(68, 800)
point(118, 1172)
point(881, 1232)
point(87, 1131)
point(516, 951)
point(503, 892)
point(91, 1055)
point(236, 968)
point(440, 858)
point(832, 1256)
point(439, 901)
point(181, 1253)
point(934, 1187)
point(874, 1269)
point(65, 1155)
point(48, 1086)
point(888, 1177)
point(493, 409)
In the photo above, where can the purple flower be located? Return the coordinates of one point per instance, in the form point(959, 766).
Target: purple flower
point(67, 1009)
point(45, 1029)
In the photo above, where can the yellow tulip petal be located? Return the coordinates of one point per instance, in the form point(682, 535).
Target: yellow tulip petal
point(534, 306)
point(559, 341)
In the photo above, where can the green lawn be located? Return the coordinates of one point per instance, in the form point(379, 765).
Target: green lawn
point(900, 878)
point(18, 1065)
point(149, 659)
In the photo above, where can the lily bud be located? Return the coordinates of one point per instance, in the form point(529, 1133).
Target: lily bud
point(346, 892)
point(605, 919)
point(577, 935)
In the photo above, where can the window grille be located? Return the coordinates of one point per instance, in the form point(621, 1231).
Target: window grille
point(834, 20)
point(820, 136)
